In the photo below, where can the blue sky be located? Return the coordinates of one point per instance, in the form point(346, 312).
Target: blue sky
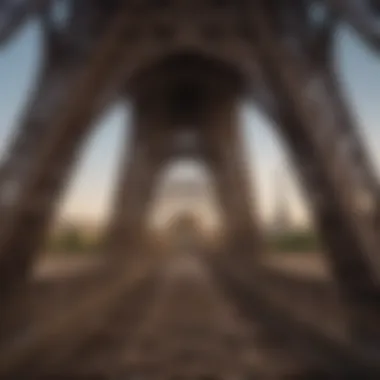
point(89, 193)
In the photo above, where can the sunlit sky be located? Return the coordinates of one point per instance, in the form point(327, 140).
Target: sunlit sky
point(89, 194)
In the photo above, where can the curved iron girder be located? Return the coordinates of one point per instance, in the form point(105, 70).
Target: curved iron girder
point(135, 189)
point(97, 85)
point(225, 156)
point(320, 59)
point(364, 17)
point(350, 238)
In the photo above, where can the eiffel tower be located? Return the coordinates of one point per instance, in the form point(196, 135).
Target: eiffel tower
point(185, 66)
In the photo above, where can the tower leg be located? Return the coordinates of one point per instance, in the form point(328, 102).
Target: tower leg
point(51, 92)
point(18, 247)
point(24, 226)
point(139, 173)
point(310, 124)
point(352, 272)
point(348, 133)
point(224, 154)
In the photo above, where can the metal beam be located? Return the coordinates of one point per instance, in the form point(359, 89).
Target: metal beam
point(13, 14)
point(224, 154)
point(99, 83)
point(363, 17)
point(350, 237)
point(139, 173)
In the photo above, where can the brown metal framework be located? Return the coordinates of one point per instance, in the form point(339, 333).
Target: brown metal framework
point(185, 65)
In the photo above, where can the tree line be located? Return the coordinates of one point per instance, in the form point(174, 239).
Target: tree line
point(74, 240)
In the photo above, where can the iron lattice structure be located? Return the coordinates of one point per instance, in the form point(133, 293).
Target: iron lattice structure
point(184, 66)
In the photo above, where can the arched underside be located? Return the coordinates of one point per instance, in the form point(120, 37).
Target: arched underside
point(190, 65)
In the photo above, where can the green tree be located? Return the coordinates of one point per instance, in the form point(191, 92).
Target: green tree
point(297, 241)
